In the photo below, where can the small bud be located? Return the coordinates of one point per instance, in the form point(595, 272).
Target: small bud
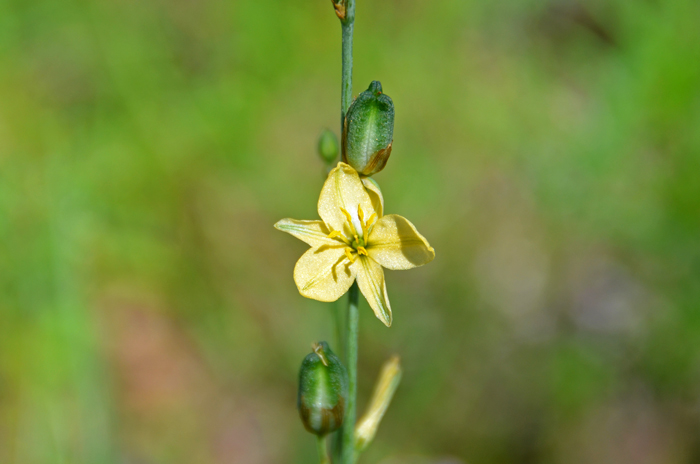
point(323, 391)
point(369, 131)
point(328, 146)
point(383, 392)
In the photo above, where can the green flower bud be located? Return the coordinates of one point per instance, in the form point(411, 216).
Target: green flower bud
point(328, 146)
point(369, 131)
point(323, 391)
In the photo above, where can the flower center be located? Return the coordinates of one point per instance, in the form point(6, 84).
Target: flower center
point(356, 244)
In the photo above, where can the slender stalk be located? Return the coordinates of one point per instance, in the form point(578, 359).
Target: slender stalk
point(348, 431)
point(339, 325)
point(347, 438)
point(322, 450)
point(348, 26)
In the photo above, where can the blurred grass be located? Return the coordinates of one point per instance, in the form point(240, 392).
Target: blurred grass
point(549, 150)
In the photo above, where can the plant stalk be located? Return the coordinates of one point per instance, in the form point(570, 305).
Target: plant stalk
point(348, 430)
point(347, 26)
point(347, 439)
point(322, 450)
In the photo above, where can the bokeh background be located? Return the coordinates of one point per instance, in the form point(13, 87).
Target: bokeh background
point(548, 149)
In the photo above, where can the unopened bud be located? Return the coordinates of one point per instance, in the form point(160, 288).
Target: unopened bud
point(383, 392)
point(369, 131)
point(328, 146)
point(323, 391)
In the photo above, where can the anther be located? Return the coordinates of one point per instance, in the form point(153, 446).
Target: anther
point(339, 235)
point(347, 215)
point(348, 253)
point(371, 220)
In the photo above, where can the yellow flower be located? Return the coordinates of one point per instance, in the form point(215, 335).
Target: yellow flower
point(354, 241)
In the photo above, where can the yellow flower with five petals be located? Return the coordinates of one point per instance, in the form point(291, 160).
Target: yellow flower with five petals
point(354, 241)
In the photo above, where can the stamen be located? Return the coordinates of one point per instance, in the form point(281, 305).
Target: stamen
point(339, 235)
point(367, 227)
point(347, 216)
point(361, 251)
point(359, 213)
point(348, 253)
point(371, 219)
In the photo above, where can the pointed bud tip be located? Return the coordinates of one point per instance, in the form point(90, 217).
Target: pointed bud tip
point(375, 87)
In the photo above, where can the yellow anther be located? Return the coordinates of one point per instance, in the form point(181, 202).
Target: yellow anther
point(371, 220)
point(339, 235)
point(347, 215)
point(367, 226)
point(348, 253)
point(362, 251)
point(360, 214)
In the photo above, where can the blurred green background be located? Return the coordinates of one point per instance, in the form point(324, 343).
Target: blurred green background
point(548, 149)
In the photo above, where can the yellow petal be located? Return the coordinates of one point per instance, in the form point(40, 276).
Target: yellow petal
point(375, 194)
point(324, 273)
point(396, 244)
point(343, 189)
point(370, 279)
point(315, 233)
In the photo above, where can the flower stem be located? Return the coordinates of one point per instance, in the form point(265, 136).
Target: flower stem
point(348, 25)
point(348, 430)
point(322, 450)
point(347, 438)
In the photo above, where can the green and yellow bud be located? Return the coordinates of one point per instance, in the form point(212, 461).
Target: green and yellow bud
point(328, 147)
point(323, 391)
point(384, 390)
point(369, 131)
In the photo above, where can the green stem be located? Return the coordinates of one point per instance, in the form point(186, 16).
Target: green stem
point(348, 431)
point(322, 450)
point(338, 323)
point(347, 438)
point(348, 26)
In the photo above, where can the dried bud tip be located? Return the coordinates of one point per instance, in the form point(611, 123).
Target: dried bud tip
point(339, 6)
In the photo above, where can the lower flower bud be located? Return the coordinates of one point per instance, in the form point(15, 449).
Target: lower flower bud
point(323, 387)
